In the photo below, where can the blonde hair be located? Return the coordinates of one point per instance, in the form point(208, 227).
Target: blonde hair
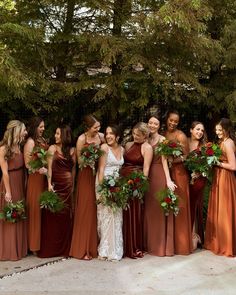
point(143, 128)
point(12, 136)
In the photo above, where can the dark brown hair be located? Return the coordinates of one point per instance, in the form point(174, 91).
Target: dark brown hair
point(227, 126)
point(32, 126)
point(89, 121)
point(66, 140)
point(203, 140)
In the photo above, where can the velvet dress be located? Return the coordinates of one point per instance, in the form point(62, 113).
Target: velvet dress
point(56, 228)
point(158, 228)
point(13, 236)
point(133, 216)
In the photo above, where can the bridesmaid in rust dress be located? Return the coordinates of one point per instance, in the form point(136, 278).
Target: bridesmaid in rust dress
point(220, 235)
point(196, 188)
point(13, 236)
point(85, 238)
point(182, 222)
point(57, 227)
point(36, 183)
point(137, 157)
point(158, 228)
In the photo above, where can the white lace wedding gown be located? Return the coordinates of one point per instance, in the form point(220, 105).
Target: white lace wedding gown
point(110, 222)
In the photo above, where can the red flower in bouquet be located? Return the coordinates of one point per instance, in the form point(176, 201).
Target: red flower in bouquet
point(38, 159)
point(90, 154)
point(111, 194)
point(135, 185)
point(209, 152)
point(13, 212)
point(168, 201)
point(169, 148)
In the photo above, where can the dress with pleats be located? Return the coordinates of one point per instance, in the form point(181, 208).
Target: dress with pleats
point(13, 236)
point(133, 216)
point(85, 236)
point(56, 230)
point(158, 228)
point(109, 221)
point(220, 235)
point(36, 184)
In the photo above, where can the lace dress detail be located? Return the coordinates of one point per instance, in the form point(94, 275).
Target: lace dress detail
point(109, 222)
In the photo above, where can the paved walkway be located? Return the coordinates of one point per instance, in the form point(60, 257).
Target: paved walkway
point(200, 273)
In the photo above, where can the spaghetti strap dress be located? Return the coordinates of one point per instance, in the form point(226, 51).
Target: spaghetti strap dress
point(85, 236)
point(36, 184)
point(220, 235)
point(158, 228)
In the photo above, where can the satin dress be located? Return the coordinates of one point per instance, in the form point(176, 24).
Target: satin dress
point(133, 216)
point(56, 229)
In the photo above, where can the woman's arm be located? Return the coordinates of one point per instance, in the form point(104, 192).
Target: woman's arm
point(5, 175)
point(79, 145)
point(102, 163)
point(229, 147)
point(51, 150)
point(170, 184)
point(147, 153)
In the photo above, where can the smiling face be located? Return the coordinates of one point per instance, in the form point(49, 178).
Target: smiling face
point(220, 132)
point(40, 129)
point(58, 136)
point(153, 125)
point(172, 122)
point(95, 128)
point(110, 136)
point(138, 136)
point(197, 132)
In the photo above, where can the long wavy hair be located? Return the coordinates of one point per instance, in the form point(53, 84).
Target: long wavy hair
point(66, 140)
point(32, 126)
point(227, 127)
point(12, 137)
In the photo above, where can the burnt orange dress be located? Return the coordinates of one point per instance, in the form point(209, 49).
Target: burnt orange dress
point(133, 216)
point(13, 236)
point(220, 235)
point(158, 228)
point(85, 236)
point(182, 222)
point(36, 184)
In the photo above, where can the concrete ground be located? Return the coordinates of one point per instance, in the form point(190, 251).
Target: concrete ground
point(200, 273)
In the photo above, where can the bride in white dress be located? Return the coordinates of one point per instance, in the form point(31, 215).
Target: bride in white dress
point(110, 222)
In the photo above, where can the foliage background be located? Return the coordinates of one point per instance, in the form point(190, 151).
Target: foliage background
point(119, 59)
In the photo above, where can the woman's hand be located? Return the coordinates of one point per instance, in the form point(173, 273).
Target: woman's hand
point(171, 185)
point(43, 170)
point(50, 188)
point(8, 197)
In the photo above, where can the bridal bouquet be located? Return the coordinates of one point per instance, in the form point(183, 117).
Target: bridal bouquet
point(38, 160)
point(90, 154)
point(135, 185)
point(169, 148)
point(51, 201)
point(110, 193)
point(13, 212)
point(168, 201)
